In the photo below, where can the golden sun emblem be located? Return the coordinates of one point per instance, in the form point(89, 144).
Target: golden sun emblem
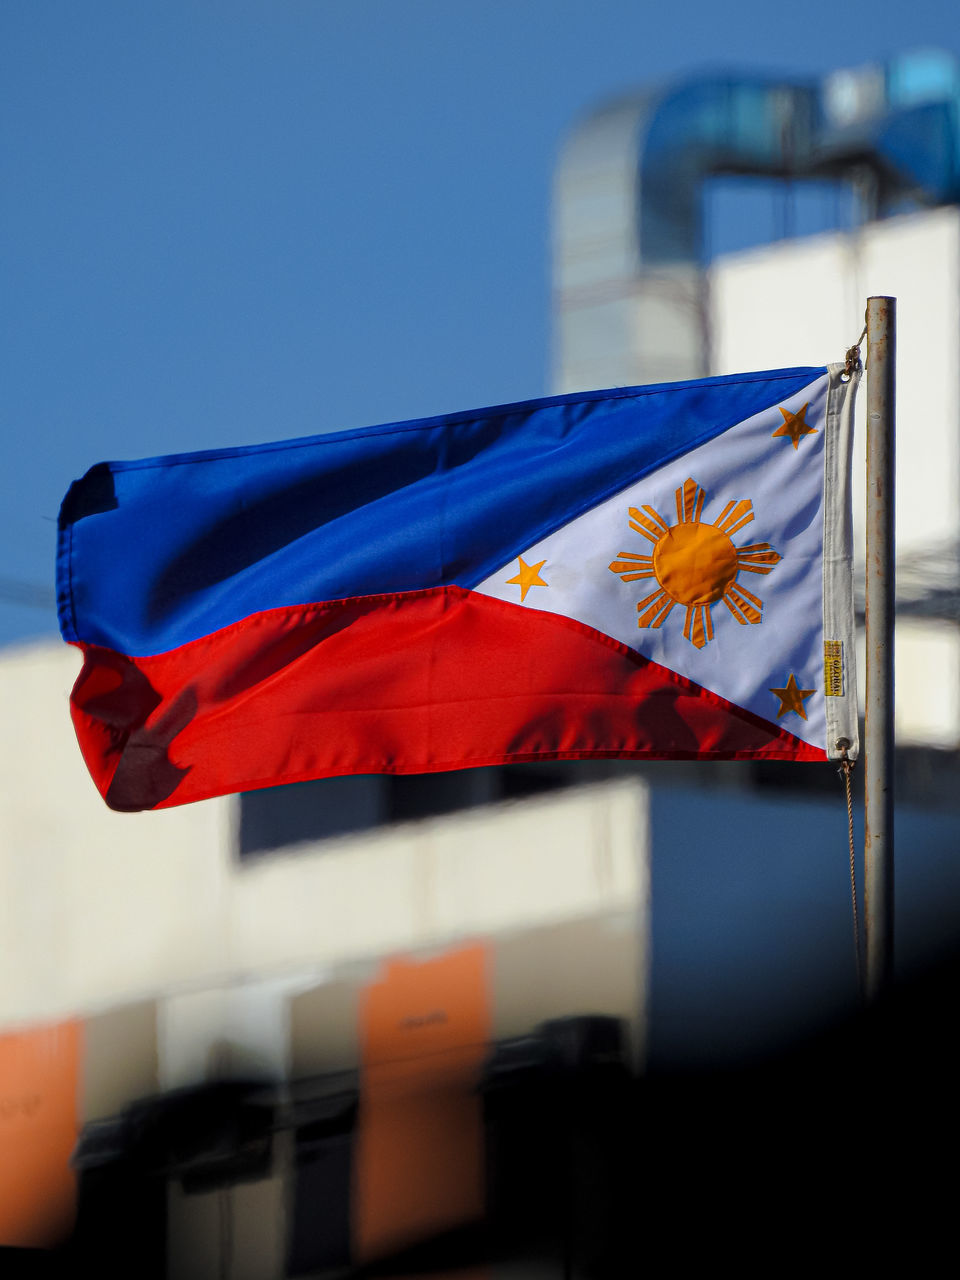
point(696, 564)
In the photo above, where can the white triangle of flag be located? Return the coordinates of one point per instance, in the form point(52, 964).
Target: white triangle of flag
point(762, 618)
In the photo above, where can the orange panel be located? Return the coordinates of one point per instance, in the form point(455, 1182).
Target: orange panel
point(424, 1032)
point(38, 1131)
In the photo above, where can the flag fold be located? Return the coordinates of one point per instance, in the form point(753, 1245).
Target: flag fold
point(659, 572)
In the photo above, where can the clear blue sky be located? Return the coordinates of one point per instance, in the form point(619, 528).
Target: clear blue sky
point(224, 221)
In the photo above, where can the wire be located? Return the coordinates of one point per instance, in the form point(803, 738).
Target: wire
point(846, 769)
point(30, 595)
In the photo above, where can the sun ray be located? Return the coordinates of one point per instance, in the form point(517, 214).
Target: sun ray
point(686, 498)
point(632, 567)
point(741, 514)
point(665, 609)
point(758, 561)
point(741, 590)
point(643, 524)
point(637, 575)
point(752, 615)
point(654, 595)
point(648, 522)
point(660, 605)
point(656, 516)
point(734, 610)
point(698, 627)
point(724, 513)
point(739, 525)
point(740, 606)
point(764, 554)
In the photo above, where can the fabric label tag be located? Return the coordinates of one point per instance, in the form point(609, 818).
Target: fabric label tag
point(833, 668)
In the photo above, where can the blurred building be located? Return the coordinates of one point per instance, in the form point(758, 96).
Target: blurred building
point(231, 1050)
point(303, 1029)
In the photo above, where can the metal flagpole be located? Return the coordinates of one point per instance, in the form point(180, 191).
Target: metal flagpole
point(880, 585)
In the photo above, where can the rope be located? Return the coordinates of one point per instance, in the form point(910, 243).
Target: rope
point(846, 769)
point(852, 363)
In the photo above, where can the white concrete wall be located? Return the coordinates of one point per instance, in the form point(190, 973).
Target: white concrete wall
point(802, 302)
point(98, 908)
point(94, 906)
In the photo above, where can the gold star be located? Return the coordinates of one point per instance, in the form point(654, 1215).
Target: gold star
point(795, 425)
point(529, 576)
point(792, 698)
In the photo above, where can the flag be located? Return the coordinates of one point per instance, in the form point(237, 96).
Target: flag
point(647, 572)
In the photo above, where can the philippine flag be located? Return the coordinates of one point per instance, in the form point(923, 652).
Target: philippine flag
point(648, 572)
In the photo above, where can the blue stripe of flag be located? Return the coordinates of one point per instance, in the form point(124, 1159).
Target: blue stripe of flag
point(157, 553)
